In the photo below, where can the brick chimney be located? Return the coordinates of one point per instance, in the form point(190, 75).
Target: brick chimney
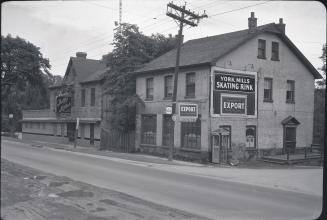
point(81, 55)
point(252, 23)
point(281, 25)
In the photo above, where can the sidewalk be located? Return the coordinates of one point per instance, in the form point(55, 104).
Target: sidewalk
point(301, 179)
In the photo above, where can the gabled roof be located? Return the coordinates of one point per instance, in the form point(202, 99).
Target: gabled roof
point(83, 67)
point(206, 51)
point(97, 76)
point(290, 120)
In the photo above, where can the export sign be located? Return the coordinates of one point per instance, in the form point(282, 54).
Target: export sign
point(188, 110)
point(233, 105)
point(63, 104)
point(234, 82)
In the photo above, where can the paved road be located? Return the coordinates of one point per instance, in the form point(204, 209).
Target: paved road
point(208, 197)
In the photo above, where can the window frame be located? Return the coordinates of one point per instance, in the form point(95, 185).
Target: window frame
point(189, 85)
point(149, 140)
point(264, 55)
point(149, 96)
point(269, 99)
point(83, 97)
point(166, 87)
point(275, 51)
point(92, 97)
point(292, 100)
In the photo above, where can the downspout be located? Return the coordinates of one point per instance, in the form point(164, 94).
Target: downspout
point(257, 139)
point(209, 112)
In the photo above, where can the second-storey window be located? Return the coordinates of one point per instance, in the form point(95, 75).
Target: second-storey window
point(83, 97)
point(168, 86)
point(92, 96)
point(149, 88)
point(275, 51)
point(261, 49)
point(290, 91)
point(190, 85)
point(267, 93)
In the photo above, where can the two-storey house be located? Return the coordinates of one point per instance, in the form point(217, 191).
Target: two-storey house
point(76, 102)
point(251, 88)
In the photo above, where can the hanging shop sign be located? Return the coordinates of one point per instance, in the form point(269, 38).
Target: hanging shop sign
point(63, 104)
point(187, 111)
point(232, 82)
point(169, 110)
point(233, 105)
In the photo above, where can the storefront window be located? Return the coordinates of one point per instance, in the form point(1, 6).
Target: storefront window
point(149, 129)
point(191, 134)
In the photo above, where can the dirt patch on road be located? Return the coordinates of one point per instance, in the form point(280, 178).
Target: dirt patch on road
point(27, 193)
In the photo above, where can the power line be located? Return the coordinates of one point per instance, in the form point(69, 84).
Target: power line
point(240, 8)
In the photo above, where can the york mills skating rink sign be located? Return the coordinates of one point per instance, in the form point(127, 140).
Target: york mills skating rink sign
point(233, 92)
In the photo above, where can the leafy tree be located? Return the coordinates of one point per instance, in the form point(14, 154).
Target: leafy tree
point(131, 50)
point(319, 104)
point(25, 77)
point(322, 82)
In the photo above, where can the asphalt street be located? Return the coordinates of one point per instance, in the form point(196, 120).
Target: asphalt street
point(204, 196)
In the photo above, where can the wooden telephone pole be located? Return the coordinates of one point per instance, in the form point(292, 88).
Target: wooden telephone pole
point(187, 17)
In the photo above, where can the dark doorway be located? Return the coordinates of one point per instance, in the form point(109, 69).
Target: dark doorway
point(167, 130)
point(290, 139)
point(92, 134)
point(71, 131)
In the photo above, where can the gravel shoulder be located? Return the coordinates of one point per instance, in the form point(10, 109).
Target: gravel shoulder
point(28, 193)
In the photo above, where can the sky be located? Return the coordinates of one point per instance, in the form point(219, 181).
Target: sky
point(62, 28)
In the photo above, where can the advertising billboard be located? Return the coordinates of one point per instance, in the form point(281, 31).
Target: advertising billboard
point(233, 92)
point(63, 104)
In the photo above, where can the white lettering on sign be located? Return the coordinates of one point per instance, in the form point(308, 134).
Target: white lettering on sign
point(188, 108)
point(234, 105)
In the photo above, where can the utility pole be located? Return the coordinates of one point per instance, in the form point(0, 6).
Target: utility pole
point(184, 17)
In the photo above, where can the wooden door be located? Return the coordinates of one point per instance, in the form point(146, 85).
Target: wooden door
point(289, 139)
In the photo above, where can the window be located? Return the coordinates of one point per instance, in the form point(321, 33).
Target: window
point(167, 130)
point(275, 51)
point(92, 96)
point(250, 134)
point(168, 86)
point(43, 125)
point(267, 93)
point(262, 49)
point(149, 88)
point(149, 129)
point(83, 97)
point(190, 85)
point(290, 91)
point(191, 134)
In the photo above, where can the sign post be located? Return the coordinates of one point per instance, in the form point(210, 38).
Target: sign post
point(76, 132)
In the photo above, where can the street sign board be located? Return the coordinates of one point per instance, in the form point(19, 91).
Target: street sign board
point(187, 111)
point(169, 110)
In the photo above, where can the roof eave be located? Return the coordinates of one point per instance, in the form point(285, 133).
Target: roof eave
point(171, 68)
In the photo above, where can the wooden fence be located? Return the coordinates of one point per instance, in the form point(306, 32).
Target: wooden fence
point(117, 141)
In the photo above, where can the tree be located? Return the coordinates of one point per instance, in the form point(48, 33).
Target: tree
point(131, 50)
point(25, 77)
point(319, 104)
point(322, 82)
